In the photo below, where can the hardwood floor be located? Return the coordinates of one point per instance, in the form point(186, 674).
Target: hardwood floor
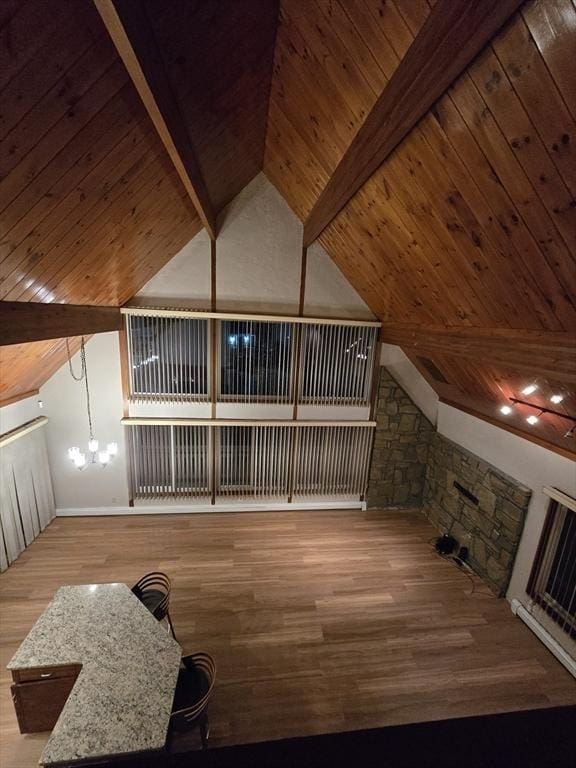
point(319, 621)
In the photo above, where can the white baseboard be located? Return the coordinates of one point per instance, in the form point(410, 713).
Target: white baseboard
point(553, 645)
point(166, 509)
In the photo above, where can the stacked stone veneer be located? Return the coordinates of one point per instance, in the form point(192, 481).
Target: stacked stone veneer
point(491, 529)
point(399, 456)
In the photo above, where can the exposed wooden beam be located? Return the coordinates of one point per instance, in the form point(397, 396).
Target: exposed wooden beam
point(133, 36)
point(452, 35)
point(546, 353)
point(24, 321)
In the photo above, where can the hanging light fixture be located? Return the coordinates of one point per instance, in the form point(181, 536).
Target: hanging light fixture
point(534, 418)
point(78, 458)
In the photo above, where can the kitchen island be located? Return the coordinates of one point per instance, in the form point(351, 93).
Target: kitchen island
point(112, 666)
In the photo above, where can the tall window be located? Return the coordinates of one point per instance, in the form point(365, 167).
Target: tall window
point(337, 364)
point(552, 582)
point(168, 358)
point(256, 361)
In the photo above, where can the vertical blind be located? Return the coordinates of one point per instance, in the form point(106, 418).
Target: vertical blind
point(253, 462)
point(168, 358)
point(179, 355)
point(332, 461)
point(552, 582)
point(231, 461)
point(26, 496)
point(170, 461)
point(337, 364)
point(257, 360)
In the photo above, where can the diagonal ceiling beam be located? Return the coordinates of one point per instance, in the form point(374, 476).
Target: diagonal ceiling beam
point(133, 36)
point(452, 35)
point(545, 353)
point(24, 321)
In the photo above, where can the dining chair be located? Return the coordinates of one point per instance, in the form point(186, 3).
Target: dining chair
point(153, 590)
point(196, 680)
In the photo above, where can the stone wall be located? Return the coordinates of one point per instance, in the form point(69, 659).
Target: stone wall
point(491, 525)
point(403, 434)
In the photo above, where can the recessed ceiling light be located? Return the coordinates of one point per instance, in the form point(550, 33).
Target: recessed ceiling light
point(532, 420)
point(506, 410)
point(557, 398)
point(529, 389)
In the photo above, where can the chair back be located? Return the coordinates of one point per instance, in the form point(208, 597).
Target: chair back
point(154, 585)
point(205, 665)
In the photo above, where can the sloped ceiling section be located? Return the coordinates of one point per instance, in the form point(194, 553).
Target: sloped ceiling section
point(218, 58)
point(90, 204)
point(471, 222)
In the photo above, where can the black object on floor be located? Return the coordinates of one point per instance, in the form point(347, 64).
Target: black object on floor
point(543, 738)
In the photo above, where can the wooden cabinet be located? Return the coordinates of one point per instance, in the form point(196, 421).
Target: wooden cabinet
point(39, 695)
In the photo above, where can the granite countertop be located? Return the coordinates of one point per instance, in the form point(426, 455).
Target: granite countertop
point(122, 699)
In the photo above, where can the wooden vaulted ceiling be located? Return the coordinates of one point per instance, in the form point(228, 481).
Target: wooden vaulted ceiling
point(469, 224)
point(91, 206)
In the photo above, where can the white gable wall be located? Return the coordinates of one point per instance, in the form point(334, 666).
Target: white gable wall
point(258, 263)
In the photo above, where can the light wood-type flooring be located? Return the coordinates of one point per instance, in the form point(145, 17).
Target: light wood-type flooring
point(319, 621)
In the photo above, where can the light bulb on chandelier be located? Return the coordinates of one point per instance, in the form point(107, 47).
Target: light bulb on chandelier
point(102, 457)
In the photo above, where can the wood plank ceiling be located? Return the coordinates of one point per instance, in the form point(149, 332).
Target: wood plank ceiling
point(90, 204)
point(469, 224)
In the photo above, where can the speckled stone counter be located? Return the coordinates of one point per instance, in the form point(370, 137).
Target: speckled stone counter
point(122, 699)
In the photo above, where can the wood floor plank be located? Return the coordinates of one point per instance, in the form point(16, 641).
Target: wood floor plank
point(319, 621)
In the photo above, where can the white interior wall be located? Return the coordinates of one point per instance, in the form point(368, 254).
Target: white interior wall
point(327, 292)
point(65, 405)
point(184, 281)
point(258, 262)
point(258, 252)
point(16, 414)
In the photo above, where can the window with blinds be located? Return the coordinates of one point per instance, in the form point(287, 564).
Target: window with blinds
point(228, 360)
point(168, 358)
point(332, 461)
point(552, 583)
point(265, 462)
point(253, 462)
point(169, 461)
point(337, 364)
point(256, 361)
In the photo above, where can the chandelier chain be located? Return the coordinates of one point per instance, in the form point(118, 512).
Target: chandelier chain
point(83, 376)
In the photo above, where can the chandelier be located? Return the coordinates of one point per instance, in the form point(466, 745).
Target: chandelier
point(95, 456)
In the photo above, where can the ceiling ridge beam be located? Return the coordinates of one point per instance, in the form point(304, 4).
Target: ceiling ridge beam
point(25, 321)
point(133, 37)
point(453, 34)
